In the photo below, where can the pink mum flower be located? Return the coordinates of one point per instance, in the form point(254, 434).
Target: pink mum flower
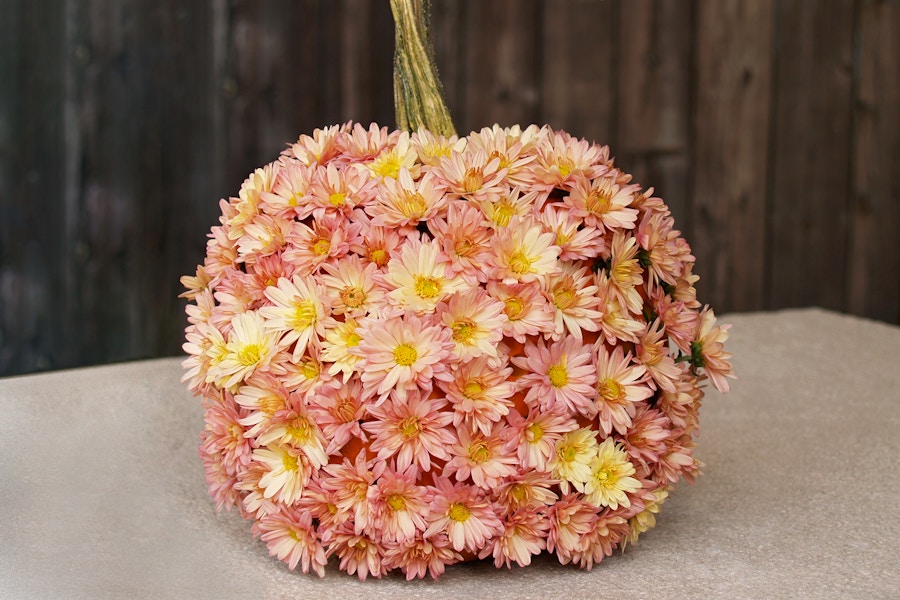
point(310, 247)
point(376, 245)
point(603, 204)
point(287, 471)
point(359, 553)
point(419, 555)
point(620, 385)
point(562, 159)
point(625, 273)
point(221, 483)
point(401, 354)
point(250, 348)
point(709, 346)
point(501, 208)
point(290, 536)
point(598, 543)
point(403, 202)
point(400, 506)
point(465, 239)
point(296, 429)
point(481, 457)
point(339, 413)
point(350, 286)
point(475, 321)
point(418, 276)
point(523, 252)
point(463, 513)
point(319, 148)
point(524, 535)
point(394, 159)
point(576, 240)
point(574, 300)
point(224, 434)
point(481, 393)
point(526, 308)
point(350, 483)
point(571, 519)
point(340, 338)
point(471, 174)
point(526, 491)
point(562, 375)
point(296, 313)
point(653, 353)
point(415, 430)
point(534, 438)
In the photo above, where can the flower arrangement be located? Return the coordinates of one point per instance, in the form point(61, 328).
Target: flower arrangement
point(415, 349)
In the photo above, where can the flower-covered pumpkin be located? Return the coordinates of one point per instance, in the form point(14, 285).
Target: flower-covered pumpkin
point(414, 350)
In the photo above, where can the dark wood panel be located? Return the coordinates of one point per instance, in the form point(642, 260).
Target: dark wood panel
point(811, 155)
point(729, 165)
point(874, 256)
point(652, 139)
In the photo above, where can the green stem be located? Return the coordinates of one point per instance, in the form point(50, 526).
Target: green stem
point(418, 96)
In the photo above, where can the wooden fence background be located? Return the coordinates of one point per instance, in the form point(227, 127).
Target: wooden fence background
point(769, 126)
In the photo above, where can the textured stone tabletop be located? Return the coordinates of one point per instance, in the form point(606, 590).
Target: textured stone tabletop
point(102, 494)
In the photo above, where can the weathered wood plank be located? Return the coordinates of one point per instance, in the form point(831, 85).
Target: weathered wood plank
point(31, 166)
point(874, 253)
point(653, 110)
point(579, 68)
point(811, 156)
point(732, 59)
point(501, 64)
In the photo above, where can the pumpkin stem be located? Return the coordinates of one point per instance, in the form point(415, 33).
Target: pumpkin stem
point(418, 96)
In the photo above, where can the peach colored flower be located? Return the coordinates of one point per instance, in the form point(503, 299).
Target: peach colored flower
point(401, 354)
point(523, 252)
point(349, 482)
point(620, 386)
point(400, 506)
point(528, 490)
point(480, 456)
point(524, 535)
point(535, 438)
point(475, 321)
point(339, 412)
point(575, 301)
point(287, 471)
point(414, 430)
point(418, 276)
point(480, 392)
point(464, 514)
point(350, 286)
point(404, 202)
point(250, 348)
point(296, 313)
point(526, 308)
point(465, 239)
point(576, 240)
point(419, 555)
point(562, 375)
point(709, 347)
point(290, 536)
point(603, 204)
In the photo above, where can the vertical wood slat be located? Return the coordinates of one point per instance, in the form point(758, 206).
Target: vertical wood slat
point(874, 252)
point(579, 67)
point(501, 64)
point(730, 146)
point(811, 155)
point(31, 179)
point(653, 86)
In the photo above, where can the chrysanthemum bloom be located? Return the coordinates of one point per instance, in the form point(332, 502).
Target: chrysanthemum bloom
point(464, 513)
point(296, 313)
point(419, 276)
point(291, 537)
point(611, 477)
point(401, 355)
point(563, 374)
point(415, 349)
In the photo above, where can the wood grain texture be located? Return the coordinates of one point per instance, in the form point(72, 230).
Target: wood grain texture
point(810, 157)
point(730, 141)
point(770, 127)
point(874, 253)
point(653, 87)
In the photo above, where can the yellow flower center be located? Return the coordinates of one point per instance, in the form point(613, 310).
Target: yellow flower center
point(337, 198)
point(386, 165)
point(294, 200)
point(565, 167)
point(309, 369)
point(300, 430)
point(305, 314)
point(270, 405)
point(534, 433)
point(564, 297)
point(513, 307)
point(598, 202)
point(405, 355)
point(611, 390)
point(345, 411)
point(464, 247)
point(409, 427)
point(321, 247)
point(428, 287)
point(566, 452)
point(249, 354)
point(473, 179)
point(520, 263)
point(396, 502)
point(464, 330)
point(605, 477)
point(353, 297)
point(473, 389)
point(412, 205)
point(378, 256)
point(479, 453)
point(289, 462)
point(503, 212)
point(519, 492)
point(352, 340)
point(459, 512)
point(558, 375)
